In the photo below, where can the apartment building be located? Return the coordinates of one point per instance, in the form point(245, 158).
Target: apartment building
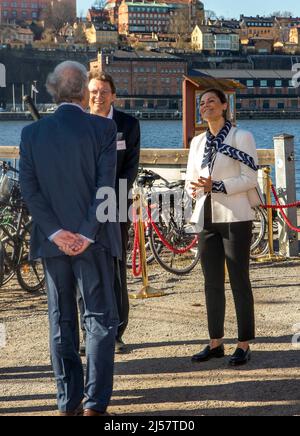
point(144, 79)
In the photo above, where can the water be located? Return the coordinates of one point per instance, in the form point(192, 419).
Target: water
point(168, 134)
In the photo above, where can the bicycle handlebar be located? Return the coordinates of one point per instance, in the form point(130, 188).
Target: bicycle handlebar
point(151, 176)
point(6, 167)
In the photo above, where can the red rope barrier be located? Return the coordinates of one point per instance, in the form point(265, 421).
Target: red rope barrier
point(281, 209)
point(281, 206)
point(166, 243)
point(136, 270)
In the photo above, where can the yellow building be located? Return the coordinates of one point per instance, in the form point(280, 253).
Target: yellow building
point(295, 35)
point(103, 34)
point(215, 39)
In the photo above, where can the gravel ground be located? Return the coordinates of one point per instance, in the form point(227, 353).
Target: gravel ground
point(157, 377)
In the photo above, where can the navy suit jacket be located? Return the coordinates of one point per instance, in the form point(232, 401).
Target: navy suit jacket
point(128, 160)
point(64, 159)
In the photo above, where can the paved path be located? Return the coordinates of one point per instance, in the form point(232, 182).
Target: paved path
point(157, 377)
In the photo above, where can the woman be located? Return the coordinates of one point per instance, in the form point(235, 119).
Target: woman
point(222, 169)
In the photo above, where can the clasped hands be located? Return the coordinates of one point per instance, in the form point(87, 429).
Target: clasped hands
point(70, 243)
point(207, 184)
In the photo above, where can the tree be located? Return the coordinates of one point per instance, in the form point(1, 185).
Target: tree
point(282, 14)
point(36, 30)
point(210, 15)
point(182, 23)
point(57, 15)
point(79, 34)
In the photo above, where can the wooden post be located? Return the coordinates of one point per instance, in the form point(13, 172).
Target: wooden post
point(286, 187)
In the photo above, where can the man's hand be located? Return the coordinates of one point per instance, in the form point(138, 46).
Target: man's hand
point(75, 250)
point(67, 241)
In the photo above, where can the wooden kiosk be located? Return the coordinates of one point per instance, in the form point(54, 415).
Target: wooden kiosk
point(193, 87)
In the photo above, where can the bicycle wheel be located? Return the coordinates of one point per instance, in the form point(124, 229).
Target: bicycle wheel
point(10, 251)
point(30, 273)
point(259, 245)
point(175, 263)
point(1, 264)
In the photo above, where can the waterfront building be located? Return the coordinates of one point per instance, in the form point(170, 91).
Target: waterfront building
point(97, 15)
point(112, 7)
point(102, 34)
point(262, 27)
point(258, 45)
point(156, 17)
point(266, 91)
point(16, 36)
point(12, 11)
point(215, 39)
point(144, 80)
point(294, 36)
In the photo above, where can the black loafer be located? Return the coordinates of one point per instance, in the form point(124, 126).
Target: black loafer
point(240, 357)
point(208, 354)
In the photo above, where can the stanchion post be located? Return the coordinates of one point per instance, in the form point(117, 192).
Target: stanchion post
point(284, 148)
point(271, 257)
point(267, 182)
point(147, 291)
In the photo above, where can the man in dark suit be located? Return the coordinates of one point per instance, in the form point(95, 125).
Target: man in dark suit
point(67, 166)
point(102, 97)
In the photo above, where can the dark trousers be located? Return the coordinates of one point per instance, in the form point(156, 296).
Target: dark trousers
point(230, 242)
point(93, 274)
point(120, 287)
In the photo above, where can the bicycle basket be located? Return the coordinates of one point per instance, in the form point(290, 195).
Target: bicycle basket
point(5, 187)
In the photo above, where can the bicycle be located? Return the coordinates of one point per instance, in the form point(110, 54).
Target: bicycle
point(15, 229)
point(176, 250)
point(164, 255)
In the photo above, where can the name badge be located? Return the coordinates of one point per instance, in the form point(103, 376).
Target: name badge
point(121, 145)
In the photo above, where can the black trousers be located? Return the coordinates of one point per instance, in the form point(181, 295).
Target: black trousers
point(120, 287)
point(228, 242)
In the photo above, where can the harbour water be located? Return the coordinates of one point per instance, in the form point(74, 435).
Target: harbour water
point(168, 134)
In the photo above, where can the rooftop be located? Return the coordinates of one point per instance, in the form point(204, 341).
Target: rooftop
point(145, 55)
point(247, 74)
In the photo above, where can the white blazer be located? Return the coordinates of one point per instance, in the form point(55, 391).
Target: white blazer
point(237, 177)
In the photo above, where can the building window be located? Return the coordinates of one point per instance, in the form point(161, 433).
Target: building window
point(266, 104)
point(278, 83)
point(294, 104)
point(263, 83)
point(250, 83)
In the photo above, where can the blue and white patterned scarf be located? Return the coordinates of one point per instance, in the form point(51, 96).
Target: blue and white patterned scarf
point(215, 145)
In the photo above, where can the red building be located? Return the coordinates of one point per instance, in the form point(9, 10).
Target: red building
point(97, 15)
point(112, 6)
point(26, 10)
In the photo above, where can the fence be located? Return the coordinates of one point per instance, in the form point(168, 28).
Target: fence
point(171, 164)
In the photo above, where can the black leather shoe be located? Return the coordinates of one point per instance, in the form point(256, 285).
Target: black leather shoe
point(120, 347)
point(208, 354)
point(240, 357)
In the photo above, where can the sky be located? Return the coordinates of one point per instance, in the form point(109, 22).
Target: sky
point(231, 8)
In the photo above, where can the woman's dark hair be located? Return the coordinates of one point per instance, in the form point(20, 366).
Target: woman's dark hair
point(218, 93)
